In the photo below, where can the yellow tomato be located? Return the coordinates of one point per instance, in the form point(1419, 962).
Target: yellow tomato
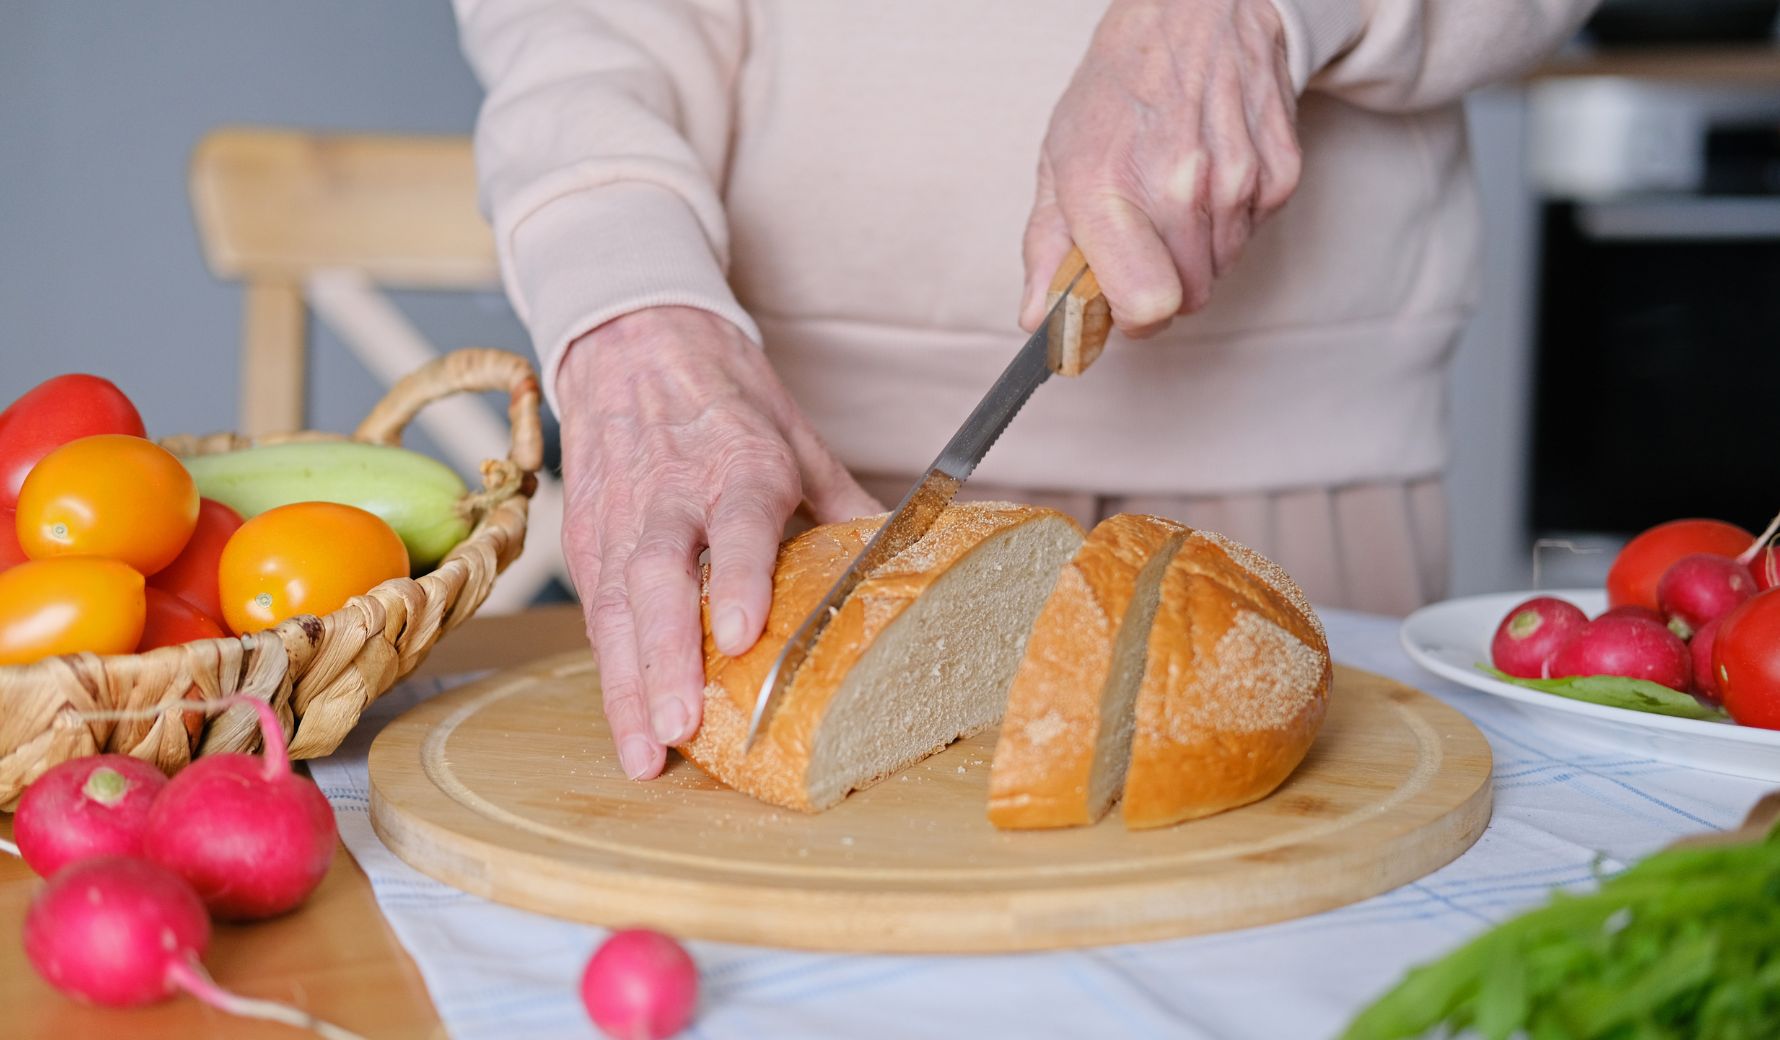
point(306, 558)
point(110, 495)
point(70, 605)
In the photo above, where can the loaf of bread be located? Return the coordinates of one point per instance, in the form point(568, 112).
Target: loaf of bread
point(1060, 760)
point(1171, 667)
point(920, 655)
point(1174, 665)
point(1234, 689)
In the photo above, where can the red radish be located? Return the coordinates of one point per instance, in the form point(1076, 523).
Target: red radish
point(114, 931)
point(122, 932)
point(640, 985)
point(1532, 632)
point(86, 807)
point(1626, 646)
point(1701, 588)
point(1637, 611)
point(252, 837)
point(1699, 648)
point(1765, 567)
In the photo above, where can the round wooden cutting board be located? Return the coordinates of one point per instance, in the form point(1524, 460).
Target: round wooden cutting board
point(508, 788)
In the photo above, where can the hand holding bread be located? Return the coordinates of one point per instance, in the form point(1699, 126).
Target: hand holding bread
point(682, 438)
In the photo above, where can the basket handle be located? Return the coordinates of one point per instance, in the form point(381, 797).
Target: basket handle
point(466, 371)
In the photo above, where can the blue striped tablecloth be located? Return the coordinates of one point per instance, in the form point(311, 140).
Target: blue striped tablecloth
point(1560, 809)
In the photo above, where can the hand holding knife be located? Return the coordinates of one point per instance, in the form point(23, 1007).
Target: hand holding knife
point(1069, 340)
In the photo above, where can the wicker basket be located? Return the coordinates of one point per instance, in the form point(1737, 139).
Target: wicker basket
point(318, 673)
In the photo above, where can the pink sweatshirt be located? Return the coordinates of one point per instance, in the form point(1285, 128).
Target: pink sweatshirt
point(848, 183)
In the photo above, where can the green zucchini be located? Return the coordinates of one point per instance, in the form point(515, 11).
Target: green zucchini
point(417, 495)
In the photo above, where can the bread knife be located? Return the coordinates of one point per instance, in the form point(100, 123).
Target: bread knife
point(1069, 340)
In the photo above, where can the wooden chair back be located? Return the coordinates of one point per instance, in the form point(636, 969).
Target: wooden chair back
point(274, 207)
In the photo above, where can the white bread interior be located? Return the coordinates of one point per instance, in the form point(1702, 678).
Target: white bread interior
point(941, 670)
point(921, 654)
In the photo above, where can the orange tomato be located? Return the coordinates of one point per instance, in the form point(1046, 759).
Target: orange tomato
point(67, 606)
point(172, 621)
point(192, 577)
point(110, 495)
point(305, 558)
point(11, 552)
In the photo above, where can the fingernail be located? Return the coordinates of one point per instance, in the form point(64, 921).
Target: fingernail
point(727, 627)
point(670, 721)
point(636, 755)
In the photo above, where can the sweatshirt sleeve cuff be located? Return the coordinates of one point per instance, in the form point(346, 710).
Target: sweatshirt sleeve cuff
point(588, 257)
point(1317, 31)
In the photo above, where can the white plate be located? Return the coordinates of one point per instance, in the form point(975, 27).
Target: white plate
point(1451, 638)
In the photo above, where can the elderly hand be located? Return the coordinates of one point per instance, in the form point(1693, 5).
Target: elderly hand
point(677, 435)
point(1174, 139)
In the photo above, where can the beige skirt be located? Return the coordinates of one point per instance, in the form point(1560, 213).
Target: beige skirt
point(1374, 547)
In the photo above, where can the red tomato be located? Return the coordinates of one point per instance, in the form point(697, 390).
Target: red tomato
point(1640, 565)
point(11, 551)
point(172, 621)
point(1746, 656)
point(68, 606)
point(192, 577)
point(119, 497)
point(305, 558)
point(57, 411)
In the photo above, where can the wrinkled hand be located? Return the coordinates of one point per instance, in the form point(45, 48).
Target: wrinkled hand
point(1173, 141)
point(676, 436)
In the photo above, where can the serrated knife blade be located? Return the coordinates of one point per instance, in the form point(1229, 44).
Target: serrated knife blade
point(1067, 341)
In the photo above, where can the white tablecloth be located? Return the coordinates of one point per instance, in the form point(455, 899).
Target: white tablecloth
point(499, 973)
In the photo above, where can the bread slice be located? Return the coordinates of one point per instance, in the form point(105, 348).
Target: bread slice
point(1066, 738)
point(920, 655)
point(1235, 687)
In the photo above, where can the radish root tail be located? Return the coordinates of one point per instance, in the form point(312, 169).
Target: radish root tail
point(1542, 544)
point(10, 849)
point(1761, 542)
point(190, 976)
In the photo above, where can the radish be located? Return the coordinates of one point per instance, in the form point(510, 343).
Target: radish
point(1625, 646)
point(1705, 677)
point(1765, 567)
point(91, 806)
point(1637, 611)
point(640, 985)
point(123, 932)
point(1700, 588)
point(1532, 632)
point(253, 838)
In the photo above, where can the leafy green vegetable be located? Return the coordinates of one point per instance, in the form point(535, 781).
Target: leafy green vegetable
point(1684, 945)
point(1616, 691)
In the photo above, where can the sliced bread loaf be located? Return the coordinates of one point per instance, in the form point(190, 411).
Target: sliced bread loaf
point(921, 654)
point(1234, 690)
point(1060, 760)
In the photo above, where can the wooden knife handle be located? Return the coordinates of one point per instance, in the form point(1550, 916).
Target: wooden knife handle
point(1079, 327)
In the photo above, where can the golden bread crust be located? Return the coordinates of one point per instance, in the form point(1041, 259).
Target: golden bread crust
point(1235, 690)
point(1045, 755)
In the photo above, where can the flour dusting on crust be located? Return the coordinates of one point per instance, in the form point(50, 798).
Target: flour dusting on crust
point(1269, 572)
point(1233, 695)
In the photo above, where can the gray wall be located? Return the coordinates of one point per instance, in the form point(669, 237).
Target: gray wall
point(101, 102)
point(100, 105)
